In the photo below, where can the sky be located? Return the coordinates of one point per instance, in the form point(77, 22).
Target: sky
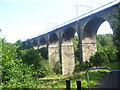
point(23, 19)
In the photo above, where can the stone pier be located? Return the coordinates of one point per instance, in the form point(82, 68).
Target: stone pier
point(88, 48)
point(68, 60)
point(53, 54)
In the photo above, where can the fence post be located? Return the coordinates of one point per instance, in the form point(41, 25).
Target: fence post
point(68, 84)
point(78, 85)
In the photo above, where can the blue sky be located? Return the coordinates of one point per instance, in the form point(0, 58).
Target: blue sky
point(23, 19)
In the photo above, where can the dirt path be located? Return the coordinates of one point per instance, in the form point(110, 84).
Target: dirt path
point(102, 83)
point(111, 80)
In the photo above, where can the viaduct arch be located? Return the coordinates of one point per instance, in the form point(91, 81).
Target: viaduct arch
point(60, 41)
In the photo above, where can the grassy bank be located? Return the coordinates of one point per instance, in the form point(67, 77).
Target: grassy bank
point(59, 81)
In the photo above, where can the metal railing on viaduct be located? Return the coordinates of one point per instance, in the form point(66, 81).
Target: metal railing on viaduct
point(59, 40)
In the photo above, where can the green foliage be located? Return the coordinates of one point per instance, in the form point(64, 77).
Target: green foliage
point(111, 53)
point(21, 46)
point(8, 51)
point(82, 67)
point(76, 49)
point(104, 56)
point(99, 59)
point(117, 33)
point(59, 81)
point(15, 73)
point(117, 29)
point(58, 68)
point(44, 69)
point(31, 56)
point(44, 52)
point(104, 40)
point(37, 58)
point(106, 53)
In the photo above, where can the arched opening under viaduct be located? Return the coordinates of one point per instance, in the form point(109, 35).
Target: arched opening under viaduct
point(43, 48)
point(35, 44)
point(89, 46)
point(29, 42)
point(105, 28)
point(104, 36)
point(53, 38)
point(68, 34)
point(42, 41)
point(76, 48)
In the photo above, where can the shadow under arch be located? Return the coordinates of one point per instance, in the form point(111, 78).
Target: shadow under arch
point(53, 38)
point(42, 41)
point(35, 43)
point(68, 34)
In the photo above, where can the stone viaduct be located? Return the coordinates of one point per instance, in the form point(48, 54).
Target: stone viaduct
point(60, 40)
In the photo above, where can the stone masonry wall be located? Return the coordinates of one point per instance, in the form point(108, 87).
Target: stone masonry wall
point(68, 60)
point(53, 54)
point(88, 48)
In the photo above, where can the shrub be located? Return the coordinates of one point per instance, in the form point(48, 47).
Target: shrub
point(58, 68)
point(43, 69)
point(111, 53)
point(31, 56)
point(99, 59)
point(84, 66)
point(40, 66)
point(105, 44)
point(15, 74)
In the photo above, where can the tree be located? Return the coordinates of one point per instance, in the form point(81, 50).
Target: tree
point(76, 48)
point(117, 33)
point(106, 50)
point(99, 59)
point(105, 40)
point(31, 56)
point(15, 73)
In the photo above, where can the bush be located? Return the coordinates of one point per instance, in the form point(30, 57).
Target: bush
point(105, 44)
point(58, 68)
point(15, 74)
point(111, 53)
point(84, 66)
point(43, 69)
point(31, 56)
point(118, 56)
point(99, 59)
